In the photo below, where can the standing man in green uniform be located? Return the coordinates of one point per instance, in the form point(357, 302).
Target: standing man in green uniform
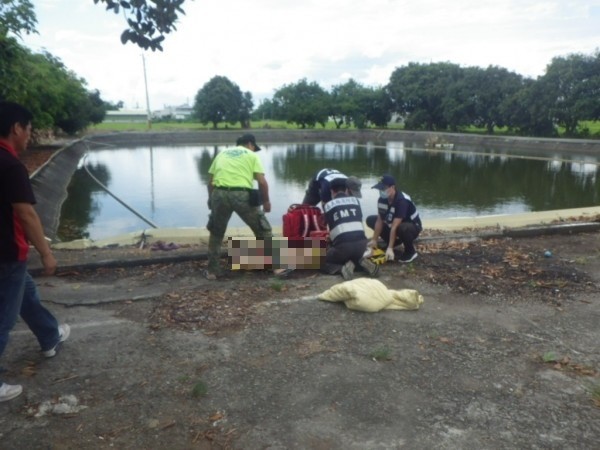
point(231, 177)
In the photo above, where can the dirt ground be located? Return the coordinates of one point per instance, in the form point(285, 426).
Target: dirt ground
point(502, 354)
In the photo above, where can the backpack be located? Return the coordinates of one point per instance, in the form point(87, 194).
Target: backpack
point(304, 221)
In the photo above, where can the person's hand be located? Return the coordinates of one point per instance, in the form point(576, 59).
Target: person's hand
point(368, 252)
point(389, 254)
point(49, 263)
point(372, 243)
point(267, 207)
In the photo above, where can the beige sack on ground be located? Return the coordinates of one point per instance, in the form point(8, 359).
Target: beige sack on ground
point(366, 294)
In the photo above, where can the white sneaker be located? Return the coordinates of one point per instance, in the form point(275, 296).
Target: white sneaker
point(63, 334)
point(9, 391)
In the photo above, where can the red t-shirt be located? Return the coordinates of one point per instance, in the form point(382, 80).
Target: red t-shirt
point(15, 187)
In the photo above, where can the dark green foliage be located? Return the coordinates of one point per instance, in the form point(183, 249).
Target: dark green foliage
point(444, 96)
point(303, 103)
point(348, 104)
point(147, 21)
point(267, 110)
point(419, 93)
point(528, 112)
point(221, 100)
point(55, 95)
point(17, 16)
point(575, 83)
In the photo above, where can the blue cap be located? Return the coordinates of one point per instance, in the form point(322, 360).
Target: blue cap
point(385, 182)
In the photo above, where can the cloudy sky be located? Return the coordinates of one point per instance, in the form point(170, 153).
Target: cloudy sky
point(262, 45)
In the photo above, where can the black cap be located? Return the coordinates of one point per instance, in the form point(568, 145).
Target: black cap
point(248, 138)
point(338, 183)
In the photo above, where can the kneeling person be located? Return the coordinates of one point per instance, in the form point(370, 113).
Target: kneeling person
point(397, 221)
point(346, 232)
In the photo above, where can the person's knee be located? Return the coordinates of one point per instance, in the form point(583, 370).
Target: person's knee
point(407, 232)
point(263, 228)
point(370, 221)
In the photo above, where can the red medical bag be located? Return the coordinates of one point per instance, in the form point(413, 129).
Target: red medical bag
point(304, 221)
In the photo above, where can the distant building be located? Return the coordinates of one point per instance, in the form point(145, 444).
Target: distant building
point(126, 115)
point(182, 112)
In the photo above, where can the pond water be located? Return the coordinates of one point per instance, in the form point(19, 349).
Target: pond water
point(167, 184)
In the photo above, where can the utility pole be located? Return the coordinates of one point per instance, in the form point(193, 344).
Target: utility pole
point(147, 98)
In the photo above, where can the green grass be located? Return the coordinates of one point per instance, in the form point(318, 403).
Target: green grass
point(592, 126)
point(277, 285)
point(381, 354)
point(200, 389)
point(595, 393)
point(549, 357)
point(194, 126)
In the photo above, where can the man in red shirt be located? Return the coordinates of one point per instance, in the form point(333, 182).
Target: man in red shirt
point(20, 224)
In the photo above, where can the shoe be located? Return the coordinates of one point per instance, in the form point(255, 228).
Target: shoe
point(369, 266)
point(64, 331)
point(408, 257)
point(282, 273)
point(348, 270)
point(9, 391)
point(209, 275)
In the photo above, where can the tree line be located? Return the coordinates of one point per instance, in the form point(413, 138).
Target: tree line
point(435, 97)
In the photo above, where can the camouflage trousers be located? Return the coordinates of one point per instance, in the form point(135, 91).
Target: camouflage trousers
point(222, 205)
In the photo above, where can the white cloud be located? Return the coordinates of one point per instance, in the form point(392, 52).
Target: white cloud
point(264, 44)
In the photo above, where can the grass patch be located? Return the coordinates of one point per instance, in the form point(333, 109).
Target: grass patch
point(567, 365)
point(195, 126)
point(381, 354)
point(199, 389)
point(549, 357)
point(595, 393)
point(277, 285)
point(591, 127)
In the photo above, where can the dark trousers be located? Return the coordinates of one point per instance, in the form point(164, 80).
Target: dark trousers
point(340, 254)
point(406, 234)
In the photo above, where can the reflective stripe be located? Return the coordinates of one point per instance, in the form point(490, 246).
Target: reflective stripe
point(334, 176)
point(345, 228)
point(341, 201)
point(414, 215)
point(320, 172)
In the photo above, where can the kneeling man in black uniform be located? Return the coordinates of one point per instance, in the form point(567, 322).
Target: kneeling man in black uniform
point(346, 232)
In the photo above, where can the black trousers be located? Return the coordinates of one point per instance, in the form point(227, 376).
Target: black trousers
point(340, 254)
point(406, 234)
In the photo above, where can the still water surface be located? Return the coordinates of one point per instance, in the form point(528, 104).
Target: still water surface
point(168, 184)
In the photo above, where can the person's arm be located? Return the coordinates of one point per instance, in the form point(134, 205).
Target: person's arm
point(35, 234)
point(376, 232)
point(393, 230)
point(311, 196)
point(263, 186)
point(210, 187)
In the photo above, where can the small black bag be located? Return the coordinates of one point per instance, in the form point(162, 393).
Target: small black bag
point(255, 197)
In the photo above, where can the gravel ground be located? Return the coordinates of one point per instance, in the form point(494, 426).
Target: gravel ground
point(502, 354)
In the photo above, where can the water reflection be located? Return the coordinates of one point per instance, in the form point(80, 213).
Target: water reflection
point(168, 184)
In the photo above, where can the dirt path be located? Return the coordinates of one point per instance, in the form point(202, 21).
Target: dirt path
point(502, 354)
